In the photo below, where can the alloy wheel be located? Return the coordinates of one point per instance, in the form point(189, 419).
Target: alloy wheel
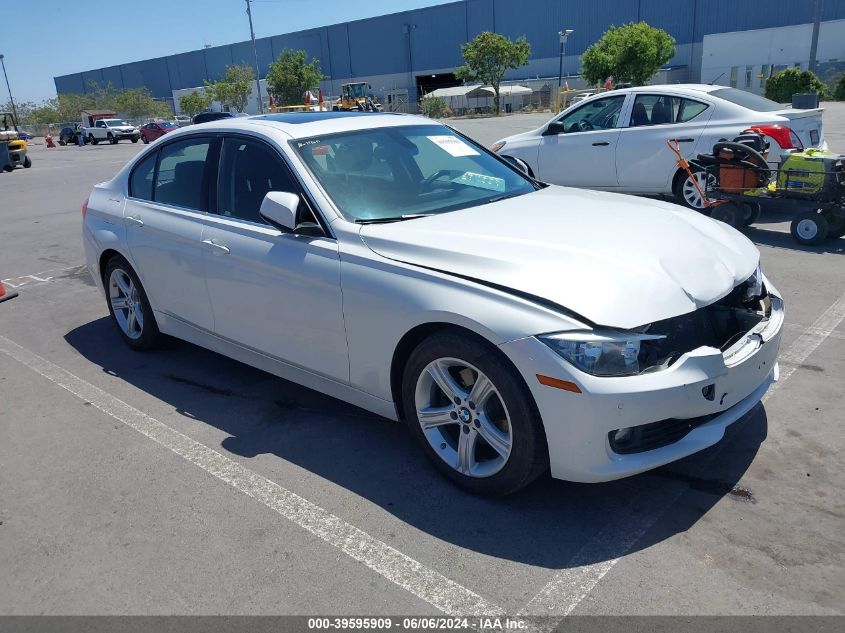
point(689, 191)
point(463, 417)
point(126, 303)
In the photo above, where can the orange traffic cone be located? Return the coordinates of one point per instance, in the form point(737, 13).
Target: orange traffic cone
point(6, 294)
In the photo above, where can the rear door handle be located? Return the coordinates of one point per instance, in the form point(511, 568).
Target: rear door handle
point(682, 140)
point(221, 249)
point(135, 220)
point(601, 144)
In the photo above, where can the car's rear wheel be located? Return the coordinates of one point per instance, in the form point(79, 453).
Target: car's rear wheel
point(111, 138)
point(686, 192)
point(129, 307)
point(92, 140)
point(472, 414)
point(61, 142)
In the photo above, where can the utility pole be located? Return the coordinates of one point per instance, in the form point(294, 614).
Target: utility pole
point(14, 111)
point(814, 42)
point(563, 37)
point(255, 53)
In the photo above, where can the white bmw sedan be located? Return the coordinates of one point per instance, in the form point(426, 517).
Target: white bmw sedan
point(388, 261)
point(616, 141)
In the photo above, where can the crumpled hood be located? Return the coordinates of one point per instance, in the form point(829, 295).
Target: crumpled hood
point(617, 260)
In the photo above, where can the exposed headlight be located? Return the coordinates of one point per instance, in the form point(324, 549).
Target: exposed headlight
point(602, 353)
point(497, 146)
point(754, 284)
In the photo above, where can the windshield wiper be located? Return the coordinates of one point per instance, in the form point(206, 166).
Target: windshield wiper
point(504, 196)
point(409, 216)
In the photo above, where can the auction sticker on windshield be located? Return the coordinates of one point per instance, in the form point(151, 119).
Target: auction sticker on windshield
point(453, 145)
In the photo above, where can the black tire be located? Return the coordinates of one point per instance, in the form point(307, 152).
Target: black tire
point(8, 168)
point(145, 139)
point(134, 139)
point(731, 213)
point(62, 143)
point(111, 138)
point(150, 337)
point(92, 140)
point(809, 229)
point(529, 454)
point(835, 224)
point(27, 162)
point(752, 213)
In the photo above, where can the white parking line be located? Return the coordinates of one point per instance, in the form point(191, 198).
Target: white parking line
point(42, 277)
point(565, 591)
point(439, 591)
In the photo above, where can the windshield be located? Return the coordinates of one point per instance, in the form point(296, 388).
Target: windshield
point(115, 122)
point(165, 125)
point(355, 90)
point(394, 173)
point(747, 99)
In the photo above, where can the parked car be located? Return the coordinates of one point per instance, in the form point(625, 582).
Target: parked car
point(394, 264)
point(111, 130)
point(68, 136)
point(181, 120)
point(580, 97)
point(205, 117)
point(616, 141)
point(151, 131)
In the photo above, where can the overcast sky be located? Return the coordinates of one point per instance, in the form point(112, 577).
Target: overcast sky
point(42, 39)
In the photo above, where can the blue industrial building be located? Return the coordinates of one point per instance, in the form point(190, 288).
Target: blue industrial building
point(414, 51)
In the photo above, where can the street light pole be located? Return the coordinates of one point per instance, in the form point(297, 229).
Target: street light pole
point(255, 53)
point(9, 88)
point(563, 35)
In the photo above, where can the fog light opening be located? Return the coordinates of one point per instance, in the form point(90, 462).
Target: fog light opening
point(622, 435)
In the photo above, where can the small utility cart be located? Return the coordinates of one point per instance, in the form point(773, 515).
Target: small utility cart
point(740, 183)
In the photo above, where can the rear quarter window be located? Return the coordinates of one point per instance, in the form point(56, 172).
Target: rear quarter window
point(141, 180)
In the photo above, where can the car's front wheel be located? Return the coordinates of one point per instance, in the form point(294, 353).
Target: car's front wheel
point(688, 189)
point(473, 415)
point(129, 307)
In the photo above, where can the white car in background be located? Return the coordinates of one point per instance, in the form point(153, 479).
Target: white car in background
point(616, 141)
point(394, 264)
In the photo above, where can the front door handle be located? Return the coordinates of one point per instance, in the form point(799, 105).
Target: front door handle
point(219, 248)
point(682, 140)
point(601, 144)
point(135, 220)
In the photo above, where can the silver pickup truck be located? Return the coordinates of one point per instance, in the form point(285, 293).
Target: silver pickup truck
point(111, 130)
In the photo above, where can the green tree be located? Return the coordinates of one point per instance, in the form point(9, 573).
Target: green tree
point(782, 85)
point(68, 106)
point(234, 88)
point(290, 77)
point(629, 53)
point(839, 89)
point(195, 102)
point(434, 107)
point(138, 102)
point(103, 97)
point(489, 56)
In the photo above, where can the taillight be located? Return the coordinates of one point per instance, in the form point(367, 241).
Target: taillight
point(784, 136)
point(85, 208)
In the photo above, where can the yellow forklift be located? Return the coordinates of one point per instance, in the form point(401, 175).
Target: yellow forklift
point(12, 146)
point(354, 96)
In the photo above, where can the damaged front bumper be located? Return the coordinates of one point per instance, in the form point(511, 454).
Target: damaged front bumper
point(620, 426)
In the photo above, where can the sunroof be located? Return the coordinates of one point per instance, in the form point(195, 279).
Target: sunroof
point(309, 117)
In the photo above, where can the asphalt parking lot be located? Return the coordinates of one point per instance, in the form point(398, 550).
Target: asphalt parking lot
point(182, 482)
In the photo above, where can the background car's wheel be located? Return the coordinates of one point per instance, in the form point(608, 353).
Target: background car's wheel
point(731, 213)
point(686, 192)
point(62, 143)
point(111, 138)
point(809, 229)
point(129, 307)
point(473, 415)
point(27, 162)
point(92, 140)
point(146, 139)
point(134, 139)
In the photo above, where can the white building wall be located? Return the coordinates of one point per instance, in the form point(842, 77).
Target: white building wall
point(766, 51)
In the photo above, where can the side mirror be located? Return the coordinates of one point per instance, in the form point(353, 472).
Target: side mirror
point(555, 127)
point(279, 209)
point(520, 164)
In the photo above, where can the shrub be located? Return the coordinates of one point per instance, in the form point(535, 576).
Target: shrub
point(434, 107)
point(782, 85)
point(839, 89)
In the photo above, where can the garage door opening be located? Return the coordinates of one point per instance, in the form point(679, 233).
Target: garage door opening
point(427, 83)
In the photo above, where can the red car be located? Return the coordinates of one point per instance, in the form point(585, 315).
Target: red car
point(151, 131)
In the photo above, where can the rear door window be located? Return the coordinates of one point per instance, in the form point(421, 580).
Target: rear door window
point(181, 179)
